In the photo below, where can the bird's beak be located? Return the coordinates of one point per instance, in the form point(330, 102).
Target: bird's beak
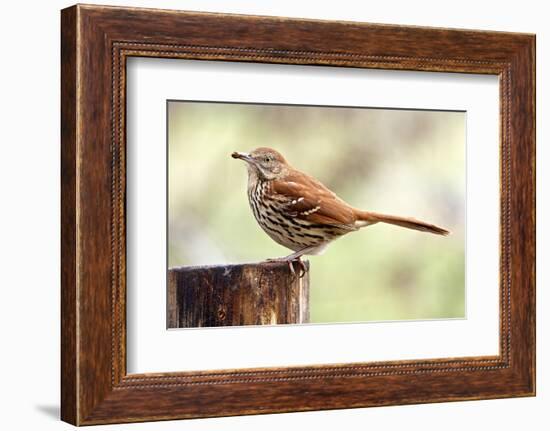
point(242, 156)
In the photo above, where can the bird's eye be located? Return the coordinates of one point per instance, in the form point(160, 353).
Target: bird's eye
point(267, 159)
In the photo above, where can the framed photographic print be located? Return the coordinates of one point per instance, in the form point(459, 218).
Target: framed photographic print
point(264, 214)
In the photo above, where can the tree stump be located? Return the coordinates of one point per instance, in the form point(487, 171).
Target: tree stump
point(265, 293)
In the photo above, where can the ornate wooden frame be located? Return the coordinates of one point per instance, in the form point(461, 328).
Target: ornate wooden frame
point(96, 41)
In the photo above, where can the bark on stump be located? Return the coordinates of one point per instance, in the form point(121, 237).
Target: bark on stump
point(265, 293)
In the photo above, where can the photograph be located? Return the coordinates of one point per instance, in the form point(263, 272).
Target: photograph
point(288, 212)
point(299, 214)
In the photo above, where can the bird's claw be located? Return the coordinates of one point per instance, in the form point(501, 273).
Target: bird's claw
point(290, 262)
point(303, 268)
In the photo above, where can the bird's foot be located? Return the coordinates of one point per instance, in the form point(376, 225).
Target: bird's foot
point(303, 268)
point(290, 261)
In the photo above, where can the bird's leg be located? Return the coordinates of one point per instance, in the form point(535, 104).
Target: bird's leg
point(290, 262)
point(296, 256)
point(293, 256)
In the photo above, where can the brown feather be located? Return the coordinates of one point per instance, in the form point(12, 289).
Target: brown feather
point(408, 222)
point(310, 200)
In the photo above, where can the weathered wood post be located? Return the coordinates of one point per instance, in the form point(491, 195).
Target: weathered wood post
point(263, 293)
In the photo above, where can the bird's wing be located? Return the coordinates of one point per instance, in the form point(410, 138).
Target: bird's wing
point(307, 199)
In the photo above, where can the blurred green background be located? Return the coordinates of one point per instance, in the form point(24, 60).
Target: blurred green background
point(401, 162)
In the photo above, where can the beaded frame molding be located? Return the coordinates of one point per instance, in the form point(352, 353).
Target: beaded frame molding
point(95, 43)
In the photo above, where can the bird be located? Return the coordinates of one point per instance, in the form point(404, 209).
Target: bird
point(300, 213)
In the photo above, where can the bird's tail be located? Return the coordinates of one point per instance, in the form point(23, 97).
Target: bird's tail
point(368, 218)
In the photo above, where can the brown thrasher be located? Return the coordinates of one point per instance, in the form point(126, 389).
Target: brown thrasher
point(300, 213)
